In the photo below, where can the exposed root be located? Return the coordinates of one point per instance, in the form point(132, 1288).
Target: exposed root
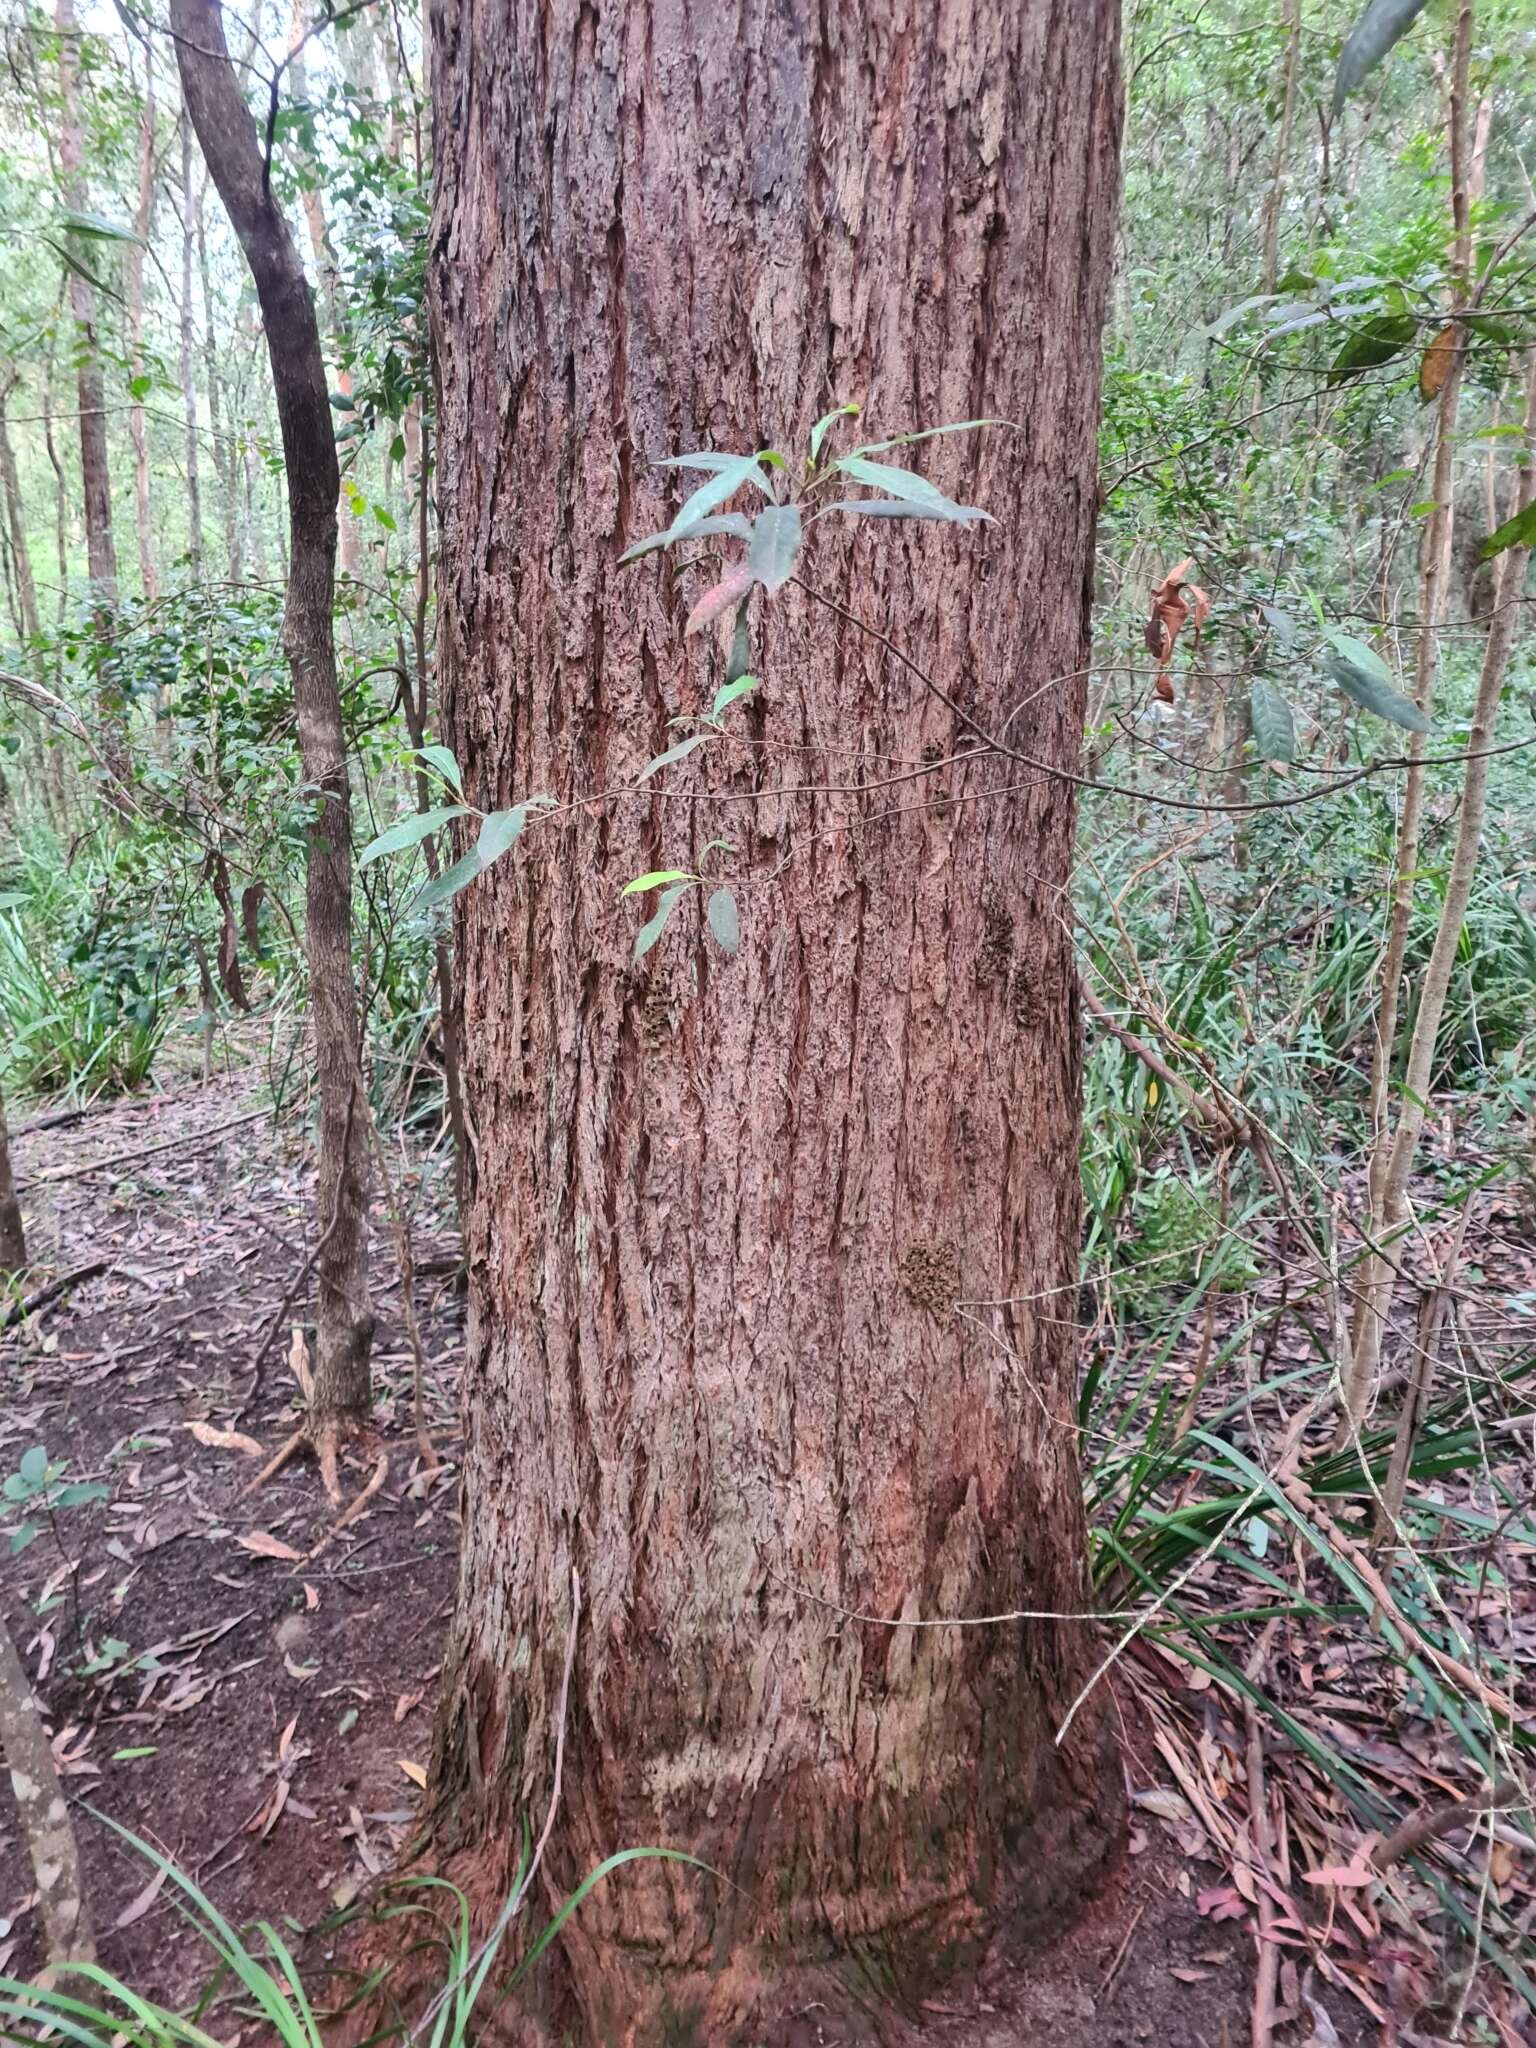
point(275, 1464)
point(350, 1515)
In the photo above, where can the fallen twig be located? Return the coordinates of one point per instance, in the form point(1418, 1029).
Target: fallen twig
point(1436, 1821)
point(20, 1310)
point(51, 1176)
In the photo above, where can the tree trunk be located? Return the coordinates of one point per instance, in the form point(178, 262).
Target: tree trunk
point(773, 1259)
point(143, 218)
point(13, 1236)
point(28, 616)
point(224, 448)
point(95, 473)
point(232, 151)
point(188, 346)
point(1274, 197)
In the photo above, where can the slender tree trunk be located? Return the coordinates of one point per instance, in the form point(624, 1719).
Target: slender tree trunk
point(232, 151)
point(13, 1236)
point(28, 617)
point(772, 1258)
point(1379, 1274)
point(95, 470)
point(40, 1806)
point(138, 436)
point(1274, 198)
point(1434, 574)
point(226, 454)
point(188, 346)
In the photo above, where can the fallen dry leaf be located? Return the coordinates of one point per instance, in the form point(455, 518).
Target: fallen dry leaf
point(414, 1772)
point(138, 1906)
point(265, 1545)
point(225, 1439)
point(1170, 608)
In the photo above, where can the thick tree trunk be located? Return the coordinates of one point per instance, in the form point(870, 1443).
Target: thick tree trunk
point(232, 151)
point(773, 1259)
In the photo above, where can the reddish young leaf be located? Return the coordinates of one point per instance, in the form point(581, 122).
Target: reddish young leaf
point(718, 598)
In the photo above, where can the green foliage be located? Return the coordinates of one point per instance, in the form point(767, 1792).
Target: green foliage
point(39, 1487)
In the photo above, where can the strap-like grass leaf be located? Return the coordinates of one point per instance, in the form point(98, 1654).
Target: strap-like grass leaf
point(654, 926)
point(723, 921)
point(1274, 727)
point(409, 832)
point(1383, 23)
point(775, 544)
point(1366, 680)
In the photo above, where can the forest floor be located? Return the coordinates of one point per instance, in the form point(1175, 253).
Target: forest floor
point(249, 1688)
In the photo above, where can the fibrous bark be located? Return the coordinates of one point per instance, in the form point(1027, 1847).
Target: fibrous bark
point(772, 1259)
point(13, 1236)
point(232, 151)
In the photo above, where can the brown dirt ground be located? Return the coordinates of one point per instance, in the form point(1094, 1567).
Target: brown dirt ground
point(253, 1716)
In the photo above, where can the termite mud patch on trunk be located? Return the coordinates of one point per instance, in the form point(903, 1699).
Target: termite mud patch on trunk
point(930, 1276)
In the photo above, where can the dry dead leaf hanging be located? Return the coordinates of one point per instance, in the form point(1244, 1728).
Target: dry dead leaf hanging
point(1170, 608)
point(1435, 364)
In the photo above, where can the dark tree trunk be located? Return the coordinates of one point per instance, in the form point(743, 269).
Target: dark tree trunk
point(773, 1259)
point(13, 1236)
point(188, 345)
point(232, 151)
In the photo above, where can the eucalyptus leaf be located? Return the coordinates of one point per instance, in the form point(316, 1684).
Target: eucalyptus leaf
point(98, 229)
point(927, 434)
point(1274, 724)
point(656, 879)
point(736, 523)
point(775, 544)
point(723, 921)
point(730, 473)
point(728, 692)
point(500, 830)
point(741, 650)
point(410, 832)
point(442, 759)
point(1366, 680)
point(656, 924)
point(1382, 24)
point(909, 487)
point(892, 508)
point(450, 881)
point(678, 753)
point(1517, 532)
point(819, 431)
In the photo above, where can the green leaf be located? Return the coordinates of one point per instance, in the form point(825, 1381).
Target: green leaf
point(385, 518)
point(441, 759)
point(1517, 532)
point(721, 912)
point(678, 753)
point(98, 229)
point(819, 431)
point(140, 387)
point(730, 473)
point(14, 1487)
point(775, 544)
point(450, 881)
point(1366, 680)
point(893, 508)
point(1374, 342)
point(1383, 23)
point(1274, 726)
point(727, 694)
point(33, 1466)
point(80, 1494)
point(128, 1756)
point(652, 930)
point(21, 1537)
point(656, 879)
point(736, 523)
point(410, 832)
point(907, 486)
point(500, 830)
point(741, 649)
point(927, 434)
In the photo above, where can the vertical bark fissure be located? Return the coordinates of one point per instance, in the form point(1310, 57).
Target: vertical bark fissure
point(232, 151)
point(723, 1211)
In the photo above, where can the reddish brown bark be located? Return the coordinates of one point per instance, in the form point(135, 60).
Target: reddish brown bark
point(734, 1222)
point(13, 1234)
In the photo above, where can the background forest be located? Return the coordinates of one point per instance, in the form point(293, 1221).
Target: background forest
point(1303, 914)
